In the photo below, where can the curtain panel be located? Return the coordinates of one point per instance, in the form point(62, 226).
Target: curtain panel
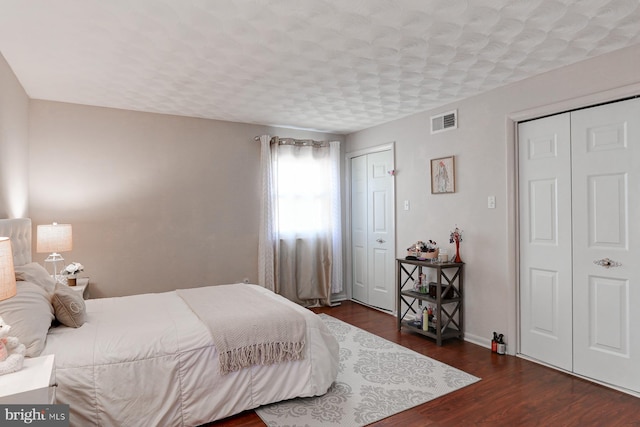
point(304, 221)
point(268, 236)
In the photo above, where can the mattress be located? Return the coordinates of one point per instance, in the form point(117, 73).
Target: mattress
point(149, 360)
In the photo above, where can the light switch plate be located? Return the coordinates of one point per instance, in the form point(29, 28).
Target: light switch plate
point(491, 202)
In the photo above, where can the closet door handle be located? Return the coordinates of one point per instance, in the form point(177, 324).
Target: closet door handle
point(607, 263)
point(380, 241)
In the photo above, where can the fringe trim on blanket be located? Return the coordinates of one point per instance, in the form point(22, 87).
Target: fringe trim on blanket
point(260, 354)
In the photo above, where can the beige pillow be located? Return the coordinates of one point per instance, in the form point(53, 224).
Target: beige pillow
point(35, 273)
point(69, 306)
point(29, 313)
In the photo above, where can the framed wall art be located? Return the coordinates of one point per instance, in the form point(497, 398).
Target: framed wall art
point(443, 175)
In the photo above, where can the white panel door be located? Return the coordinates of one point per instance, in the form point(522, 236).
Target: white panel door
point(373, 230)
point(606, 206)
point(381, 230)
point(545, 240)
point(359, 241)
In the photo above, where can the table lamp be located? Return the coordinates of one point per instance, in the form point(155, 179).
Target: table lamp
point(54, 238)
point(7, 275)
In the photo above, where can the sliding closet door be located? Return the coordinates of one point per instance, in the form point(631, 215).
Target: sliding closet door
point(359, 240)
point(606, 224)
point(580, 242)
point(545, 240)
point(373, 230)
point(381, 234)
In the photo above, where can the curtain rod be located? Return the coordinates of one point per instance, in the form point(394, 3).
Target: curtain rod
point(278, 140)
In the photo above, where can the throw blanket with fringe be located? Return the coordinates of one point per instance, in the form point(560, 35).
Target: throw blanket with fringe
point(248, 327)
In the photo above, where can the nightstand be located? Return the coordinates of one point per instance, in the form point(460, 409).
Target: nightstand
point(82, 286)
point(34, 384)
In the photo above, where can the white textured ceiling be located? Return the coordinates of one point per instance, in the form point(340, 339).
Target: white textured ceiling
point(335, 65)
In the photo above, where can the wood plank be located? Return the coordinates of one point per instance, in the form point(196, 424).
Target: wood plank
point(513, 391)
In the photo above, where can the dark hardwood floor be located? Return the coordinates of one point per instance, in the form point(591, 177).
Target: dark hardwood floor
point(512, 392)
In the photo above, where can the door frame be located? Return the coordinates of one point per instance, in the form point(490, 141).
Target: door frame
point(347, 191)
point(513, 213)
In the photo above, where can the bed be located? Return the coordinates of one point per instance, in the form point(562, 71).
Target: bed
point(152, 360)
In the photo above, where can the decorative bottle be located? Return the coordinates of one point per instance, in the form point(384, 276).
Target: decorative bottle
point(425, 319)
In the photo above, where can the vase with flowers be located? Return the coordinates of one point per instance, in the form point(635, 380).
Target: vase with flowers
point(71, 271)
point(456, 237)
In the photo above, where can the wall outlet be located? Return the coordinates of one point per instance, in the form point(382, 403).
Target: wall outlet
point(406, 205)
point(245, 280)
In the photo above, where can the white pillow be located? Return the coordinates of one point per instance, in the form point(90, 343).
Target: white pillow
point(35, 273)
point(29, 314)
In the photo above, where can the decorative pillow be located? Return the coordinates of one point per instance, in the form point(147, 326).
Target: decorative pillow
point(69, 306)
point(35, 273)
point(30, 315)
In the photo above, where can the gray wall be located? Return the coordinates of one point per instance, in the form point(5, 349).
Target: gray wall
point(14, 145)
point(484, 147)
point(157, 202)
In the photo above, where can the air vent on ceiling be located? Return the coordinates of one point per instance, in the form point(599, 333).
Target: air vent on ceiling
point(444, 121)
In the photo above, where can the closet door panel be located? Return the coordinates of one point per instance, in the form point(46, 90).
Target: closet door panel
point(545, 240)
point(606, 198)
point(359, 250)
point(609, 299)
point(381, 231)
point(373, 230)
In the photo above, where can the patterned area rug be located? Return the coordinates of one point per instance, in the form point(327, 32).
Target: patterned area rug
point(376, 379)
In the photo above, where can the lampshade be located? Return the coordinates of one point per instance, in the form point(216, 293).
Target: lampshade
point(7, 275)
point(54, 238)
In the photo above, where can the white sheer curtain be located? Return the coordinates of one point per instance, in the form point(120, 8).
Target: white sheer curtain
point(301, 221)
point(268, 233)
point(336, 216)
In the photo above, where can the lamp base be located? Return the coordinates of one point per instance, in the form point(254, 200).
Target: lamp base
point(54, 258)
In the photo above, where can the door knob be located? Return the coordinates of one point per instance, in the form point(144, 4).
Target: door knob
point(379, 240)
point(607, 263)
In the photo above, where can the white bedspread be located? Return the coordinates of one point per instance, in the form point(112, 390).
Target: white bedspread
point(148, 360)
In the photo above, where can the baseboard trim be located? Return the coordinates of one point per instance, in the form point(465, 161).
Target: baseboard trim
point(477, 340)
point(373, 307)
point(602, 383)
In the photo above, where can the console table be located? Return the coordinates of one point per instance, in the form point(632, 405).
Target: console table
point(446, 297)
